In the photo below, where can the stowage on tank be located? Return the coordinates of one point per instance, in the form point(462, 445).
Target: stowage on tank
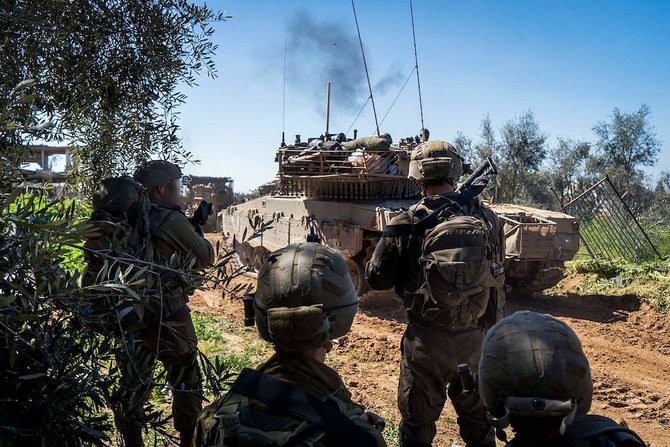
point(348, 191)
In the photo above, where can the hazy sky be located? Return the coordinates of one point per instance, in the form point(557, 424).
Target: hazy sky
point(570, 62)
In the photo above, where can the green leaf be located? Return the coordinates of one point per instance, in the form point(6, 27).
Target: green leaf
point(7, 300)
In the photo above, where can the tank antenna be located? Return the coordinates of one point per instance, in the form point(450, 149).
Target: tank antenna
point(327, 136)
point(365, 65)
point(416, 63)
point(283, 102)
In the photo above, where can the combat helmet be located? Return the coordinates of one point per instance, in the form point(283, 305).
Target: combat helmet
point(435, 160)
point(155, 173)
point(533, 369)
point(304, 297)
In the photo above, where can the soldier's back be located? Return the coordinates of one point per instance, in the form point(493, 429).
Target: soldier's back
point(239, 420)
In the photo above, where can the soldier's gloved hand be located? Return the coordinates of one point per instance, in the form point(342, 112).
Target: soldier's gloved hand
point(375, 420)
point(201, 214)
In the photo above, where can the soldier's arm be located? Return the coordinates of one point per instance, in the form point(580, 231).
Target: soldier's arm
point(177, 232)
point(498, 232)
point(381, 271)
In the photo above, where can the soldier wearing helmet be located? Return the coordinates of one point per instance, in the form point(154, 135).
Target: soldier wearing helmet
point(433, 345)
point(534, 376)
point(167, 334)
point(304, 299)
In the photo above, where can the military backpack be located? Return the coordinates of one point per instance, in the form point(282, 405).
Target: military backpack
point(459, 259)
point(458, 256)
point(116, 252)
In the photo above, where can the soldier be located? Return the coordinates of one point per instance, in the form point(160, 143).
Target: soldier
point(304, 299)
point(534, 376)
point(167, 333)
point(440, 334)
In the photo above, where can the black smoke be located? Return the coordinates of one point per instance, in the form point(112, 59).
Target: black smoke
point(322, 51)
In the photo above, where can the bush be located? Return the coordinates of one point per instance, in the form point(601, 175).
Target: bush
point(649, 281)
point(55, 387)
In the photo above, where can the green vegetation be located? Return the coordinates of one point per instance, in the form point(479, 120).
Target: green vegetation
point(229, 342)
point(227, 346)
point(391, 431)
point(60, 377)
point(649, 281)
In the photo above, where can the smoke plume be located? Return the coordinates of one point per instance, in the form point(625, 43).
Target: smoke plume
point(322, 51)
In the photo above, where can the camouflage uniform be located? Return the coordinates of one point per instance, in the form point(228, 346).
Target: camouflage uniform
point(168, 334)
point(534, 376)
point(300, 371)
point(431, 347)
point(430, 350)
point(304, 299)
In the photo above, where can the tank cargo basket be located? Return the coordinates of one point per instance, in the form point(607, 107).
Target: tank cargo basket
point(528, 237)
point(344, 175)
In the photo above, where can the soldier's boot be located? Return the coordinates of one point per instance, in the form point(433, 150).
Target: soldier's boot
point(186, 438)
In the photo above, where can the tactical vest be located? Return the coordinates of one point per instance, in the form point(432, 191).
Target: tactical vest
point(236, 420)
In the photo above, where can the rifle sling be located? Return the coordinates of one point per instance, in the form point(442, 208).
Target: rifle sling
point(419, 228)
point(289, 399)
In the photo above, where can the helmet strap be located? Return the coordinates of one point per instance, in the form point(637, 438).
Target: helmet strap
point(569, 418)
point(499, 424)
point(529, 406)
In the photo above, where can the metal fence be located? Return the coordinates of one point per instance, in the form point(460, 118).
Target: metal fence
point(608, 227)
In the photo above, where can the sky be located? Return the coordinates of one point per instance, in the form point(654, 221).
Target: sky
point(569, 62)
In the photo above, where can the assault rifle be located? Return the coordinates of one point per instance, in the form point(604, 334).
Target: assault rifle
point(473, 185)
point(485, 170)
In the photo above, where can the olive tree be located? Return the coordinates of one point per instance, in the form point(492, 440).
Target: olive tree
point(625, 144)
point(109, 73)
point(565, 173)
point(521, 153)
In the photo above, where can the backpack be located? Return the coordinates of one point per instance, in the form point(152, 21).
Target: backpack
point(460, 271)
point(463, 280)
point(120, 234)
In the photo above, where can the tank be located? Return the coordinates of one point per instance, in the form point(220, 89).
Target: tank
point(348, 197)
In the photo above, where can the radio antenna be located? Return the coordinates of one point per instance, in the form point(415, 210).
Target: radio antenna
point(416, 63)
point(283, 102)
point(365, 64)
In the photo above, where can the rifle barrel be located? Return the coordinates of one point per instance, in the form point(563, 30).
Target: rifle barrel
point(487, 167)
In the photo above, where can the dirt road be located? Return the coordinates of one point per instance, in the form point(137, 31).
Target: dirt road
point(628, 345)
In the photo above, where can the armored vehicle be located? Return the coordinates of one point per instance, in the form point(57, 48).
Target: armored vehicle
point(347, 193)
